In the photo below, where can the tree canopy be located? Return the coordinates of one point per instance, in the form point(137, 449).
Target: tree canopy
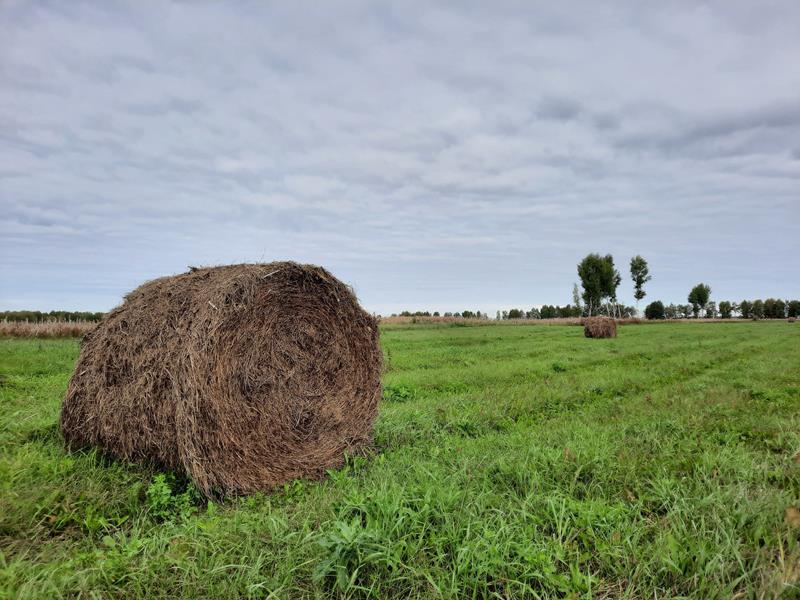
point(698, 298)
point(640, 273)
point(599, 280)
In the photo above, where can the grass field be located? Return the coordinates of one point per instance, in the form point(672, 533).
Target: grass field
point(509, 462)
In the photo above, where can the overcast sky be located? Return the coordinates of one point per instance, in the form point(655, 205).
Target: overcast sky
point(433, 155)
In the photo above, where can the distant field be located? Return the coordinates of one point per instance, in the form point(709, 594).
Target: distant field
point(45, 329)
point(509, 462)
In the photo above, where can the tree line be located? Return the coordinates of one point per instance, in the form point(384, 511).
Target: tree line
point(771, 308)
point(568, 311)
point(600, 279)
point(466, 314)
point(36, 316)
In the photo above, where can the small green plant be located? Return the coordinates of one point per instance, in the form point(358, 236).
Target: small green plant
point(349, 551)
point(398, 393)
point(164, 504)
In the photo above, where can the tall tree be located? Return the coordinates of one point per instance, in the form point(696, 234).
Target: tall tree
point(599, 279)
point(640, 273)
point(590, 271)
point(613, 284)
point(698, 298)
point(758, 309)
point(576, 298)
point(746, 309)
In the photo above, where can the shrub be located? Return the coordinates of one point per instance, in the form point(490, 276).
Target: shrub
point(655, 310)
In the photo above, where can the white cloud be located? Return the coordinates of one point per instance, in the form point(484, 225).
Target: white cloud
point(461, 155)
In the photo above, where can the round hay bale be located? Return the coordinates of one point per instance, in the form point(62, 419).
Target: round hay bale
point(792, 319)
point(243, 377)
point(599, 327)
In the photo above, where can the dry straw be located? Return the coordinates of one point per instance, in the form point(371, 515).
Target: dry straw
point(45, 329)
point(599, 327)
point(243, 377)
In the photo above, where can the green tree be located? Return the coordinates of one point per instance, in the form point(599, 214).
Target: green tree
point(725, 309)
point(576, 298)
point(793, 308)
point(590, 271)
point(611, 290)
point(655, 310)
point(640, 274)
point(758, 309)
point(599, 280)
point(698, 298)
point(746, 309)
point(774, 308)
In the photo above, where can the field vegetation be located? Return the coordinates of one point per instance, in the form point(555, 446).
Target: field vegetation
point(46, 329)
point(508, 462)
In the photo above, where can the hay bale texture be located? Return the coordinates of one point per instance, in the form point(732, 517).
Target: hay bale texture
point(243, 376)
point(599, 327)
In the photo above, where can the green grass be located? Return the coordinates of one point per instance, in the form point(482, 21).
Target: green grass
point(509, 462)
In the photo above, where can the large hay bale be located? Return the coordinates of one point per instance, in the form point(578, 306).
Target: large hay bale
point(599, 327)
point(243, 376)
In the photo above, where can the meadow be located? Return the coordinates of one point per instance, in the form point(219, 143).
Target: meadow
point(508, 462)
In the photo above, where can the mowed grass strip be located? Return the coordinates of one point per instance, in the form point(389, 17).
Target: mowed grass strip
point(509, 462)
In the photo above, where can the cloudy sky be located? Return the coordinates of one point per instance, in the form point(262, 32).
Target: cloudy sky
point(434, 155)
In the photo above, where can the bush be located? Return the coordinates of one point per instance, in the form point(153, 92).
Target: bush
point(655, 310)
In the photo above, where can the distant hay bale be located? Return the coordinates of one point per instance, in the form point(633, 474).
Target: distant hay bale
point(792, 319)
point(599, 327)
point(243, 377)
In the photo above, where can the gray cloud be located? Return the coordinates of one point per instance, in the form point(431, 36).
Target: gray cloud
point(434, 155)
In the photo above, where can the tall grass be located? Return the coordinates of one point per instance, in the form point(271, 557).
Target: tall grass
point(45, 329)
